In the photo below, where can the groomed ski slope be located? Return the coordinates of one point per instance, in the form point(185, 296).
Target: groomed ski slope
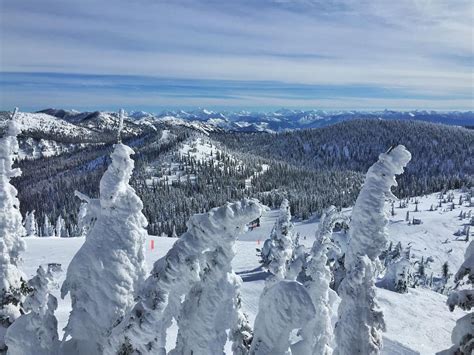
point(417, 322)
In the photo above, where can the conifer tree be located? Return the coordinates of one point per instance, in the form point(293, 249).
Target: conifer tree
point(178, 274)
point(463, 335)
point(12, 284)
point(279, 248)
point(48, 230)
point(105, 275)
point(318, 333)
point(30, 224)
point(241, 333)
point(360, 322)
point(36, 331)
point(60, 230)
point(173, 233)
point(212, 305)
point(85, 220)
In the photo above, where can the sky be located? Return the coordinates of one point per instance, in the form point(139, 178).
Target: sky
point(153, 55)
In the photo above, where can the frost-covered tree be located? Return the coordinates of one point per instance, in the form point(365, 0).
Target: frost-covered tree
point(30, 224)
point(463, 333)
point(60, 230)
point(330, 219)
point(36, 332)
point(397, 275)
point(173, 233)
point(178, 274)
point(318, 333)
point(12, 284)
point(86, 216)
point(279, 248)
point(283, 307)
point(241, 333)
point(48, 229)
point(106, 273)
point(360, 322)
point(212, 305)
point(297, 263)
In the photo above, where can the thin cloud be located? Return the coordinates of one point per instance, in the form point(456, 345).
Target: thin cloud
point(419, 47)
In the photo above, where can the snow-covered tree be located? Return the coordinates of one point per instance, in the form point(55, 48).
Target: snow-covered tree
point(48, 229)
point(30, 224)
point(173, 233)
point(463, 334)
point(12, 284)
point(284, 307)
point(318, 334)
point(60, 230)
point(212, 305)
point(297, 262)
point(177, 274)
point(241, 333)
point(360, 322)
point(106, 273)
point(397, 275)
point(86, 216)
point(36, 331)
point(279, 248)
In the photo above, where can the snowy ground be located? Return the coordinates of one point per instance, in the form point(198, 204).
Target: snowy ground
point(417, 322)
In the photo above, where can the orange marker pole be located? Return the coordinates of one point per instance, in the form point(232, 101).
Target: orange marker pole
point(258, 241)
point(152, 244)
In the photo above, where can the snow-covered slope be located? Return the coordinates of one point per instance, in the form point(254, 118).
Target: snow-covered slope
point(41, 122)
point(38, 148)
point(200, 148)
point(417, 322)
point(97, 120)
point(54, 132)
point(44, 135)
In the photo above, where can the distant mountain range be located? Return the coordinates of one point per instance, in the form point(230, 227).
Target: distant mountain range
point(277, 121)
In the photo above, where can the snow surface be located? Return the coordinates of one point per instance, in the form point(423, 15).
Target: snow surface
point(46, 123)
point(417, 322)
point(43, 148)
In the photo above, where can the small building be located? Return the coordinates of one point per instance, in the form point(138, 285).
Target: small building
point(416, 221)
point(254, 224)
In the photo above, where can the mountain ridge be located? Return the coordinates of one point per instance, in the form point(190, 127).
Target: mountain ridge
point(276, 121)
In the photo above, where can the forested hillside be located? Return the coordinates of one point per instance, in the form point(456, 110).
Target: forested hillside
point(443, 156)
point(180, 171)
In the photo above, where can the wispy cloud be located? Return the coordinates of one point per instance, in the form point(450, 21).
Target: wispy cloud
point(337, 53)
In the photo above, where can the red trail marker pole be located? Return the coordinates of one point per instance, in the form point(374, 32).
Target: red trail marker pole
point(152, 244)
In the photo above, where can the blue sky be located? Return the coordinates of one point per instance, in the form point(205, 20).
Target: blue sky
point(243, 54)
